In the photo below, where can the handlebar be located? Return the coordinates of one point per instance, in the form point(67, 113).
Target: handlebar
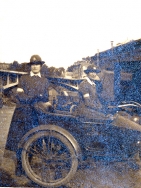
point(130, 103)
point(126, 104)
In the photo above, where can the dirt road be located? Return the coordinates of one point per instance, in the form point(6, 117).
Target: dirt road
point(94, 175)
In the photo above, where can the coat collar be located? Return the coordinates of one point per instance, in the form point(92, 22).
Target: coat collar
point(32, 74)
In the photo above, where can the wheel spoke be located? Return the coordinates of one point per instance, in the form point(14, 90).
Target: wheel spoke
point(48, 173)
point(58, 159)
point(44, 146)
point(50, 143)
point(34, 152)
point(43, 173)
point(49, 158)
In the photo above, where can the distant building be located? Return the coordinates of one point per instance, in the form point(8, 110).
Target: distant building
point(4, 66)
point(68, 74)
point(120, 74)
point(123, 52)
point(78, 69)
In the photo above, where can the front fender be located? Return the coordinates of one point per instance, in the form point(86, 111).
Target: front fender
point(55, 128)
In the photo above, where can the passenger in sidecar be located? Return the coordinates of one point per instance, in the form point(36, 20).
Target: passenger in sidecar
point(90, 104)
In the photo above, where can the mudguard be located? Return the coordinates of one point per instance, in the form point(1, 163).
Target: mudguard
point(51, 127)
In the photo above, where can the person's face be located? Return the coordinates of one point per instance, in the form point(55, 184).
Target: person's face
point(92, 75)
point(35, 68)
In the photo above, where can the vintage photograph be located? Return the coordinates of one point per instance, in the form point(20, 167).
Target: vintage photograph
point(70, 97)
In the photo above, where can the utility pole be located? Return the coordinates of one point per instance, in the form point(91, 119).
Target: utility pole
point(97, 57)
point(112, 46)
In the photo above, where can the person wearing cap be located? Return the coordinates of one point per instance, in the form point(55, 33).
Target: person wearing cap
point(90, 105)
point(31, 95)
point(33, 88)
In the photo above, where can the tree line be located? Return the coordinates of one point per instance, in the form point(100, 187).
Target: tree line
point(45, 70)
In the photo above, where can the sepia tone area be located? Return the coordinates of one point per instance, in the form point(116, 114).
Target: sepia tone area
point(79, 127)
point(90, 174)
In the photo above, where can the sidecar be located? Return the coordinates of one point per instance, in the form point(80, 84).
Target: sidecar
point(52, 151)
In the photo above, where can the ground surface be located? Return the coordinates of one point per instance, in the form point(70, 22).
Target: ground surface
point(94, 175)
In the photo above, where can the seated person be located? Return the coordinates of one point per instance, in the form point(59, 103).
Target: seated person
point(90, 105)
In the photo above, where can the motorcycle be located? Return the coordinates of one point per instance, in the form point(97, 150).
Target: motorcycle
point(53, 151)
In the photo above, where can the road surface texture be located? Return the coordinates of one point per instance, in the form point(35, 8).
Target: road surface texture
point(94, 175)
point(126, 174)
point(6, 113)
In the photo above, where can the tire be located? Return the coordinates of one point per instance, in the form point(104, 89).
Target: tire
point(49, 159)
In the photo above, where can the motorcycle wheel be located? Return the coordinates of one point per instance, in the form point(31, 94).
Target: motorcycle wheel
point(49, 159)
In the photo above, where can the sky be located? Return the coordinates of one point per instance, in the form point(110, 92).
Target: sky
point(64, 31)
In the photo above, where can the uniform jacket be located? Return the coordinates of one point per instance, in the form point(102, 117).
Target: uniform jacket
point(92, 90)
point(25, 117)
point(35, 89)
